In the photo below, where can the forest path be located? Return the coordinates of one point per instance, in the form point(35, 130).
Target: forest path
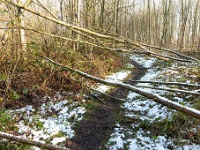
point(93, 132)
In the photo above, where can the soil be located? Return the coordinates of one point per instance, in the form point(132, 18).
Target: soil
point(93, 132)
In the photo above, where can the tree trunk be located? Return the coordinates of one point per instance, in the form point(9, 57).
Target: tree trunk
point(29, 142)
point(164, 101)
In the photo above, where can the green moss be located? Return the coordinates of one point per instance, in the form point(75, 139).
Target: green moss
point(14, 95)
point(6, 121)
point(3, 77)
point(13, 146)
point(197, 104)
point(145, 124)
point(181, 80)
point(39, 125)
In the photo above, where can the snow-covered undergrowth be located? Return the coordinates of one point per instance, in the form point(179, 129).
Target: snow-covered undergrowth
point(51, 122)
point(140, 107)
point(136, 136)
point(115, 77)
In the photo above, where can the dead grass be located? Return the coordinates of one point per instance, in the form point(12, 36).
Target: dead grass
point(26, 80)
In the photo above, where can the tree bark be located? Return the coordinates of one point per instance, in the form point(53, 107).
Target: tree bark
point(21, 22)
point(29, 142)
point(167, 83)
point(164, 101)
point(172, 90)
point(121, 40)
point(172, 51)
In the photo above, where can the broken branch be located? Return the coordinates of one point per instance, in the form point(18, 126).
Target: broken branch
point(167, 83)
point(172, 90)
point(29, 142)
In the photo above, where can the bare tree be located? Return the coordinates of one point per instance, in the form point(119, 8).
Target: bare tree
point(101, 17)
point(21, 22)
point(195, 23)
point(166, 22)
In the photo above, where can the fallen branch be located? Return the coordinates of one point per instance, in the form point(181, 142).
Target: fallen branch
point(97, 91)
point(172, 90)
point(45, 8)
point(171, 51)
point(164, 101)
point(167, 83)
point(29, 142)
point(165, 58)
point(87, 32)
point(61, 37)
point(124, 50)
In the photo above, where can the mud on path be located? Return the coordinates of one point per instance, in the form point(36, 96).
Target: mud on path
point(93, 132)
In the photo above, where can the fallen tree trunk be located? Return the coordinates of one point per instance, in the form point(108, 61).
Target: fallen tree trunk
point(29, 142)
point(70, 26)
point(97, 35)
point(171, 51)
point(124, 50)
point(167, 83)
point(164, 101)
point(171, 90)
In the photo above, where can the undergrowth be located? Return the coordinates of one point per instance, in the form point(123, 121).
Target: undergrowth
point(4, 145)
point(25, 78)
point(183, 129)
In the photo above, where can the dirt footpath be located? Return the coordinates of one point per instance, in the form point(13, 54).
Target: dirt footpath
point(93, 132)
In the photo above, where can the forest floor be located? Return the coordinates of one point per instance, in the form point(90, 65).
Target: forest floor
point(93, 131)
point(84, 120)
point(145, 124)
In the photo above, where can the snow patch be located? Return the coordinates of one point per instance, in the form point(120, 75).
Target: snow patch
point(49, 120)
point(140, 108)
point(58, 140)
point(189, 147)
point(143, 61)
point(116, 77)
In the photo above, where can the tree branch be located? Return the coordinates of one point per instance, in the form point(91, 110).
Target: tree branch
point(167, 83)
point(172, 90)
point(171, 51)
point(164, 101)
point(75, 27)
point(29, 142)
point(40, 4)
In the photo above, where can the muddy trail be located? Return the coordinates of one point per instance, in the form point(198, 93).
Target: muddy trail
point(93, 132)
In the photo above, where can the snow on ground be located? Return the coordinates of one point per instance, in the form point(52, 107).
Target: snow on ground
point(143, 141)
point(115, 77)
point(139, 108)
point(147, 63)
point(52, 121)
